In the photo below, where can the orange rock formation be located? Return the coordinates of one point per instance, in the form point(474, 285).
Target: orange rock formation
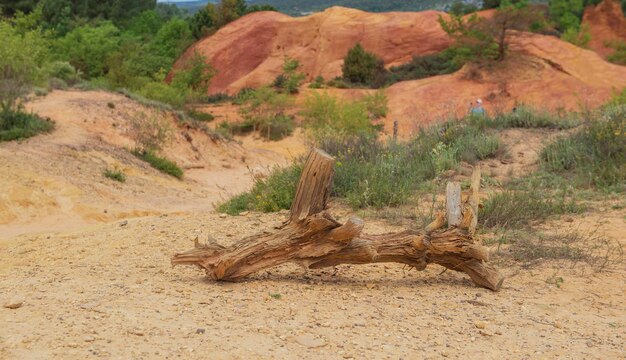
point(606, 23)
point(541, 71)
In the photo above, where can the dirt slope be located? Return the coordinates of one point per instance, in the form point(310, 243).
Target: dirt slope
point(250, 52)
point(606, 22)
point(542, 71)
point(55, 182)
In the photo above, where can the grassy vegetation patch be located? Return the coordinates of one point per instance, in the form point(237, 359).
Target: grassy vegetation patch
point(518, 209)
point(18, 125)
point(116, 175)
point(160, 163)
point(273, 193)
point(594, 156)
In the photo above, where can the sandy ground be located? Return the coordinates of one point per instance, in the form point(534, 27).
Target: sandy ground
point(79, 282)
point(110, 292)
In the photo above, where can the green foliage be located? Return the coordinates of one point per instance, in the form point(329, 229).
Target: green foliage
point(271, 194)
point(318, 83)
point(18, 125)
point(567, 14)
point(116, 175)
point(88, 47)
point(619, 54)
point(593, 156)
point(325, 114)
point(578, 36)
point(376, 104)
point(480, 39)
point(472, 43)
point(526, 117)
point(194, 75)
point(618, 98)
point(264, 110)
point(424, 66)
point(362, 67)
point(160, 163)
point(22, 57)
point(57, 15)
point(200, 116)
point(164, 93)
point(371, 173)
point(202, 22)
point(291, 79)
point(461, 8)
point(62, 70)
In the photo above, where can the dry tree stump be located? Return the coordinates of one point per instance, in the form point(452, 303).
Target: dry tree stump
point(312, 238)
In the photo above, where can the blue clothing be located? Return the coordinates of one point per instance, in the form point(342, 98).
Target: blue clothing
point(479, 110)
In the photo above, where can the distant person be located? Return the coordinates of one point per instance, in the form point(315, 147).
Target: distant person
point(478, 109)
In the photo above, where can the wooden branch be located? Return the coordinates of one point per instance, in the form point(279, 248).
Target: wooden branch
point(312, 238)
point(453, 204)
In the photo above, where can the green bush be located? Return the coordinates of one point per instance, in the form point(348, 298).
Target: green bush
point(116, 175)
point(324, 114)
point(290, 79)
point(318, 83)
point(22, 56)
point(264, 110)
point(160, 163)
point(18, 125)
point(422, 67)
point(593, 156)
point(63, 70)
point(200, 115)
point(272, 194)
point(363, 68)
point(88, 47)
point(619, 52)
point(164, 93)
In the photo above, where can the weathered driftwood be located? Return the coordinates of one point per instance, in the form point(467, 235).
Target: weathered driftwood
point(312, 238)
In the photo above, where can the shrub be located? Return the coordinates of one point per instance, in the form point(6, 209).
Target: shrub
point(318, 83)
point(325, 114)
point(376, 104)
point(116, 175)
point(618, 98)
point(194, 77)
point(21, 58)
point(593, 156)
point(291, 78)
point(149, 132)
point(264, 110)
point(18, 125)
point(63, 70)
point(87, 47)
point(57, 84)
point(619, 54)
point(525, 117)
point(200, 115)
point(362, 67)
point(272, 194)
point(164, 93)
point(160, 163)
point(216, 98)
point(423, 66)
point(517, 209)
point(577, 36)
